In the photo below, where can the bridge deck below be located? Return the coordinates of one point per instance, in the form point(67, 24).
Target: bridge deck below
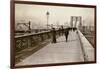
point(59, 52)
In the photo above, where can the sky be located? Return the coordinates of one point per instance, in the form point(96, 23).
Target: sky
point(57, 14)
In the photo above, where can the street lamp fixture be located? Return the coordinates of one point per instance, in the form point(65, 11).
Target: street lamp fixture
point(47, 18)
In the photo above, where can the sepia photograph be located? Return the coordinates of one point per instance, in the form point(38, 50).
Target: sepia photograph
point(53, 34)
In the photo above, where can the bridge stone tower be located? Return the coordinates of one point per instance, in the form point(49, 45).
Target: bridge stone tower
point(75, 20)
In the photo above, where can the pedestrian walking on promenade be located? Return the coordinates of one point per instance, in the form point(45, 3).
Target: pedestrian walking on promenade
point(66, 33)
point(62, 30)
point(53, 35)
point(59, 31)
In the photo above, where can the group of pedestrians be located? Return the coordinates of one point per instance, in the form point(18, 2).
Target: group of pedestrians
point(61, 32)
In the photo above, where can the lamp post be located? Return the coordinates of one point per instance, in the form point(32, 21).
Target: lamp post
point(47, 18)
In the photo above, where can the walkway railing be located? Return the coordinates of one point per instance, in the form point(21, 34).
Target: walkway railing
point(87, 48)
point(31, 40)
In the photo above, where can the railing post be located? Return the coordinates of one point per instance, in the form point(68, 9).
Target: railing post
point(41, 36)
point(48, 35)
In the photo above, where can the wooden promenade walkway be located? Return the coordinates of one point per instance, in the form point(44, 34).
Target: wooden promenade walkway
point(59, 52)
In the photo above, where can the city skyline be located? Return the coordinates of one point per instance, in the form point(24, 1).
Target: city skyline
point(57, 15)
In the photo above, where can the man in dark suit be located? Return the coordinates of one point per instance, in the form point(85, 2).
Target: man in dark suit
point(53, 35)
point(66, 33)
